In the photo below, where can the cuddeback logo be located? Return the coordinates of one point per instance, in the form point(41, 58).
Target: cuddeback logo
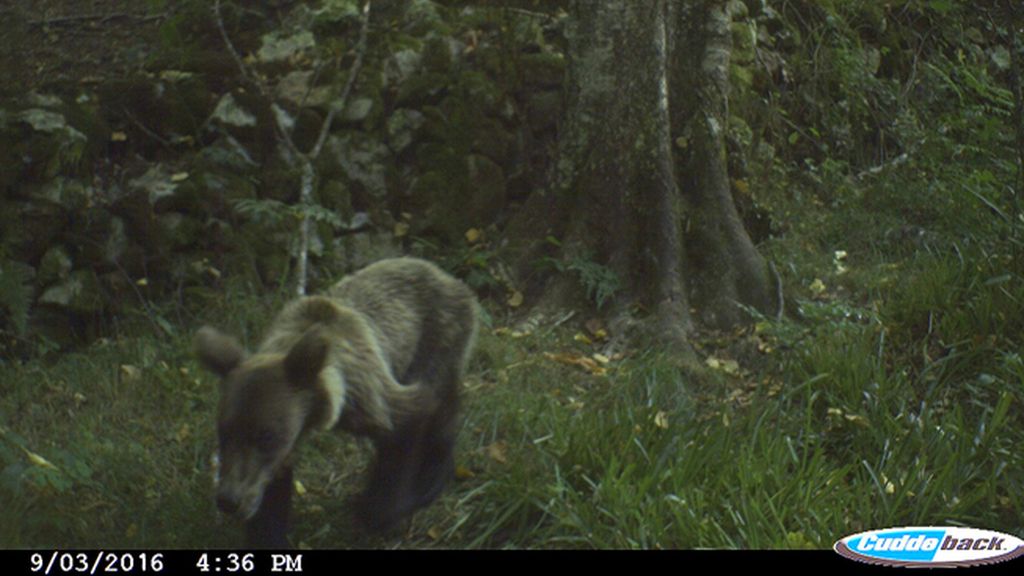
point(930, 546)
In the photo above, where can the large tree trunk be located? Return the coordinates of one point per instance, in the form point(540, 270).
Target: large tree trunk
point(642, 167)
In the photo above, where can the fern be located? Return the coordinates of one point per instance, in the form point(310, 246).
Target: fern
point(269, 212)
point(600, 282)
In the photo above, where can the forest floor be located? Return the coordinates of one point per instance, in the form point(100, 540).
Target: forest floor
point(47, 42)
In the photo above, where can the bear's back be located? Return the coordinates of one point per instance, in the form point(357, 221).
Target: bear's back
point(407, 300)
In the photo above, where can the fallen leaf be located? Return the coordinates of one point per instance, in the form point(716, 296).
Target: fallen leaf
point(582, 338)
point(130, 373)
point(661, 420)
point(179, 176)
point(401, 229)
point(118, 137)
point(584, 362)
point(434, 532)
point(38, 460)
point(498, 452)
point(299, 488)
point(515, 299)
point(463, 473)
point(473, 235)
point(731, 367)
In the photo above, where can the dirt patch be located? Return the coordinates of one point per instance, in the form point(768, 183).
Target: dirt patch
point(49, 43)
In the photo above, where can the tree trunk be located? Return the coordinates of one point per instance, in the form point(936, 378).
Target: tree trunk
point(642, 167)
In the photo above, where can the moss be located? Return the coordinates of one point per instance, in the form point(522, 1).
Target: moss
point(424, 88)
point(543, 69)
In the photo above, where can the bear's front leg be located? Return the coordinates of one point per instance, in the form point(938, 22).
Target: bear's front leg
point(268, 528)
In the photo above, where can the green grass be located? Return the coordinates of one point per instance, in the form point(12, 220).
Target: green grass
point(905, 412)
point(896, 400)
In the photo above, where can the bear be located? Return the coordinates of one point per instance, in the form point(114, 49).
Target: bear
point(381, 355)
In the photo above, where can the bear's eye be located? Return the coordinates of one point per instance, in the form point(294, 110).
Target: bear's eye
point(265, 441)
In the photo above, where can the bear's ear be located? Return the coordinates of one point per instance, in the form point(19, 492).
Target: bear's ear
point(306, 359)
point(219, 352)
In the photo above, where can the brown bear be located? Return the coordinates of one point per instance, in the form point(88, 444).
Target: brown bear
point(381, 354)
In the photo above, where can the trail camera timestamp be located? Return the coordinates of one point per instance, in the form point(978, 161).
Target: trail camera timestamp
point(245, 563)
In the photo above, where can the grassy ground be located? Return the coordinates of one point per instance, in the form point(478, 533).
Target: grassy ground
point(897, 401)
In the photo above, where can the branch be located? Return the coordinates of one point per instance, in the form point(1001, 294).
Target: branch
point(339, 104)
point(102, 18)
point(283, 135)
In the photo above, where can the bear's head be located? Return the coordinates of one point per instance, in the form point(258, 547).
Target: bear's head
point(266, 403)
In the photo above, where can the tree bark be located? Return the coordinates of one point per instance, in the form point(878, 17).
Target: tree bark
point(642, 164)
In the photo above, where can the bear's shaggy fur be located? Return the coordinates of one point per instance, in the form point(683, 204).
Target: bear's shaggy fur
point(381, 354)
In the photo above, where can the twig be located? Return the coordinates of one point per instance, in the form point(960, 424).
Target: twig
point(163, 141)
point(339, 105)
point(103, 18)
point(283, 135)
point(530, 13)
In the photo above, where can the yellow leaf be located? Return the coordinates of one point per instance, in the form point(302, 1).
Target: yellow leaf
point(601, 334)
point(463, 473)
point(142, 282)
point(118, 136)
point(179, 176)
point(600, 358)
point(818, 287)
point(582, 338)
point(434, 532)
point(515, 299)
point(498, 452)
point(473, 235)
point(401, 229)
point(731, 367)
point(713, 362)
point(661, 420)
point(130, 373)
point(38, 460)
point(299, 488)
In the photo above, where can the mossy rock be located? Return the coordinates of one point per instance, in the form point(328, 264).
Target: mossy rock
point(365, 163)
point(482, 93)
point(402, 128)
point(335, 196)
point(35, 230)
point(543, 69)
point(744, 42)
point(487, 191)
point(180, 230)
point(54, 266)
point(79, 294)
point(420, 89)
point(437, 55)
point(491, 139)
point(543, 110)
